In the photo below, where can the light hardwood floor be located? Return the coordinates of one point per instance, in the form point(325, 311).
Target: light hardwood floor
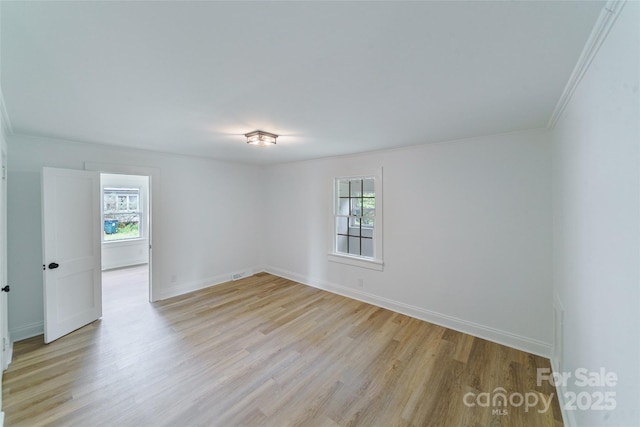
point(263, 351)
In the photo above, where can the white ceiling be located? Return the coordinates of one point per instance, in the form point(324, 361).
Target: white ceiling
point(330, 77)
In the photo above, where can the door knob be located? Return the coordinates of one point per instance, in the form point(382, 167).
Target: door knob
point(5, 289)
point(53, 265)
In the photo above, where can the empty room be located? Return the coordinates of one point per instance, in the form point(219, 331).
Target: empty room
point(320, 213)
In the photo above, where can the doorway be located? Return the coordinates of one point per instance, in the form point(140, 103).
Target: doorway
point(125, 240)
point(72, 208)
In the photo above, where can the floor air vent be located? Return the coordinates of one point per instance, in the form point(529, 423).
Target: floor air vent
point(238, 276)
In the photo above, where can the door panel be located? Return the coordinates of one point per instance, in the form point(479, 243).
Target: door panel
point(71, 239)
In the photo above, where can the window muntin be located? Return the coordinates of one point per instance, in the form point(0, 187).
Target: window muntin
point(121, 214)
point(355, 216)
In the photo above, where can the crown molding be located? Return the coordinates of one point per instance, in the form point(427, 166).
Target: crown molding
point(598, 35)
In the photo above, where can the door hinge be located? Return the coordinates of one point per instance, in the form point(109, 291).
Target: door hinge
point(4, 344)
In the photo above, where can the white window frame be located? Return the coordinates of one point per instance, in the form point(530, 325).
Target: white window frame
point(139, 212)
point(376, 262)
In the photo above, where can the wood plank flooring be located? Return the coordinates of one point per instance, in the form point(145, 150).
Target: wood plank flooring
point(263, 351)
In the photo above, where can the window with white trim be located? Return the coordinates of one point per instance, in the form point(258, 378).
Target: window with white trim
point(357, 236)
point(121, 213)
point(355, 216)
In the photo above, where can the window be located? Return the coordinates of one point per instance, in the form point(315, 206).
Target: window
point(357, 221)
point(121, 213)
point(356, 206)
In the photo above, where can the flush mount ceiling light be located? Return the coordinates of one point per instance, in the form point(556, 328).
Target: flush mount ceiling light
point(258, 137)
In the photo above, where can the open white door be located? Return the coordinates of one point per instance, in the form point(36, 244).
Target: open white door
point(71, 245)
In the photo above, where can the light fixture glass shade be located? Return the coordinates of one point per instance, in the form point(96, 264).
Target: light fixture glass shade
point(259, 137)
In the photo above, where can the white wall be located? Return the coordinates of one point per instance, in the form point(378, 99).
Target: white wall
point(467, 234)
point(124, 253)
point(205, 222)
point(468, 227)
point(596, 223)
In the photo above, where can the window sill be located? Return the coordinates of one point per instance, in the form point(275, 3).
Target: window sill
point(131, 241)
point(370, 263)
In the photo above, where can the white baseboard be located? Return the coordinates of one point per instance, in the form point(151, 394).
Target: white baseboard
point(557, 356)
point(185, 288)
point(9, 355)
point(26, 331)
point(568, 417)
point(509, 339)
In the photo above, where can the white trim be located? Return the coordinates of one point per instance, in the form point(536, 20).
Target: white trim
point(509, 339)
point(557, 356)
point(125, 242)
point(27, 331)
point(373, 264)
point(598, 35)
point(568, 417)
point(8, 128)
point(377, 262)
point(557, 353)
point(152, 190)
point(196, 285)
point(9, 355)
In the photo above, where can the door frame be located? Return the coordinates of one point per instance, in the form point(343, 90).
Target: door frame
point(154, 185)
point(7, 346)
point(6, 349)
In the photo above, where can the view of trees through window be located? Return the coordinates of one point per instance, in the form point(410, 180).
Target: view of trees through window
point(121, 213)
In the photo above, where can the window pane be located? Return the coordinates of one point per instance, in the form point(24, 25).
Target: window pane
point(343, 206)
point(367, 231)
point(369, 185)
point(342, 225)
point(354, 230)
point(354, 245)
point(122, 202)
point(109, 202)
point(121, 226)
point(356, 207)
point(343, 188)
point(368, 217)
point(367, 247)
point(341, 244)
point(133, 202)
point(356, 187)
point(369, 202)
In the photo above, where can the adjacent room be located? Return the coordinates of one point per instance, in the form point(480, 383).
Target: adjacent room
point(372, 213)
